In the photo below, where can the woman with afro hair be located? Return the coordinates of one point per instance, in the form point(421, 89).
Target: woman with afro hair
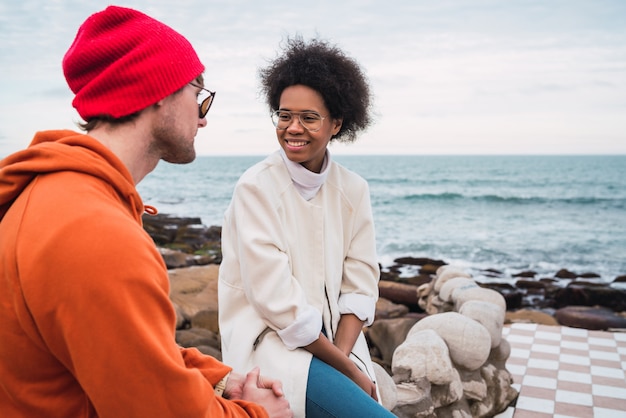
point(299, 275)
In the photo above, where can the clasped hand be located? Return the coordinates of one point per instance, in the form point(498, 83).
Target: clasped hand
point(260, 390)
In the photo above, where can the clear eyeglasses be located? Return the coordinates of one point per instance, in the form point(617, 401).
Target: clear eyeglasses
point(311, 121)
point(205, 100)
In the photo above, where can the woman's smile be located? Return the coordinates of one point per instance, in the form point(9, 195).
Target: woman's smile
point(296, 143)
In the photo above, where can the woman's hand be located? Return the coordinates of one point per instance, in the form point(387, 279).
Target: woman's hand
point(326, 351)
point(364, 382)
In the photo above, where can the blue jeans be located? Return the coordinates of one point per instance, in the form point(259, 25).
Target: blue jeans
point(330, 394)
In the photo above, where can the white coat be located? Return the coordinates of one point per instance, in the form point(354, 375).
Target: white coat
point(290, 266)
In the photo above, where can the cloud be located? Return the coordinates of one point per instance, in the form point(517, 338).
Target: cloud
point(452, 76)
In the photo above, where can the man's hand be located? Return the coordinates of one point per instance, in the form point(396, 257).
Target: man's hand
point(275, 385)
point(261, 390)
point(253, 391)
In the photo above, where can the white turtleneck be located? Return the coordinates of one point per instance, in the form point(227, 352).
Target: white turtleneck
point(307, 182)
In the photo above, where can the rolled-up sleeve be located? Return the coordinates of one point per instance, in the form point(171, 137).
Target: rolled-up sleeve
point(359, 288)
point(305, 330)
point(362, 306)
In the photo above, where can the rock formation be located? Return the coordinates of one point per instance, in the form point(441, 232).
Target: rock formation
point(452, 362)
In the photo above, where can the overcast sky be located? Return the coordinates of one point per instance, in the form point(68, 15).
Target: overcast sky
point(448, 77)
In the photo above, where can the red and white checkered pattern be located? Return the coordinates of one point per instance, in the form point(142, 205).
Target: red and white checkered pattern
point(566, 372)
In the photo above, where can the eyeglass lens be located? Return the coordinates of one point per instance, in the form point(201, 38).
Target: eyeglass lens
point(205, 99)
point(309, 120)
point(205, 105)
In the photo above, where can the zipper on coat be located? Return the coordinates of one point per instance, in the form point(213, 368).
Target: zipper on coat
point(362, 367)
point(330, 312)
point(260, 338)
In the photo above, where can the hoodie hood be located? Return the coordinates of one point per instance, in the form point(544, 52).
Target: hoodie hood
point(64, 150)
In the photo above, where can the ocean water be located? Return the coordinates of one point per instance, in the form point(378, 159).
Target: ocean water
point(510, 213)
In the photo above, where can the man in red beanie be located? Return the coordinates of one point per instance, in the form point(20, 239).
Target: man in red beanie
point(87, 324)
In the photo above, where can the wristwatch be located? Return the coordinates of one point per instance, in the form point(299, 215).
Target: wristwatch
point(221, 385)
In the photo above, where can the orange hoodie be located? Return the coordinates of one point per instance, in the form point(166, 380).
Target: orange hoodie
point(87, 327)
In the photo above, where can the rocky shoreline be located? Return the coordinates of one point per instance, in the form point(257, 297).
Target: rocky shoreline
point(568, 298)
point(436, 340)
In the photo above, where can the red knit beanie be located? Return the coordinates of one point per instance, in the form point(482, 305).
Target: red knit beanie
point(123, 61)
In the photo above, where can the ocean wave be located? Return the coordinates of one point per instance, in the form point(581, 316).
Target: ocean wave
point(493, 198)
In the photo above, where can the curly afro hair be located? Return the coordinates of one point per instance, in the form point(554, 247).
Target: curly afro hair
point(327, 70)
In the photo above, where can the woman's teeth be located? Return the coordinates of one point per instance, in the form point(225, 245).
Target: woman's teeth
point(297, 143)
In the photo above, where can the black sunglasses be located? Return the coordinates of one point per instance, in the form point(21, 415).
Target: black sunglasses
point(205, 103)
